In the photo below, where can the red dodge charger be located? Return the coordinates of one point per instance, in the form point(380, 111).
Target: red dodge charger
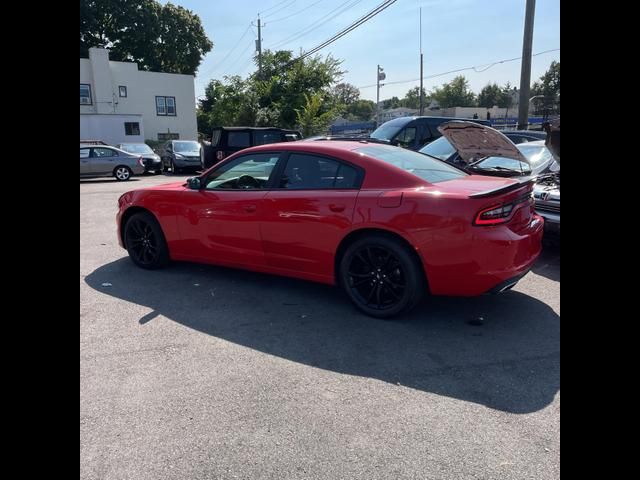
point(386, 224)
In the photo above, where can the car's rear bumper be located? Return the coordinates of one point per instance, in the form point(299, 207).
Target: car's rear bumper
point(495, 260)
point(551, 221)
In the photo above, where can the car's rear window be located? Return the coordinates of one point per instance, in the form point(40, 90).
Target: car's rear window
point(427, 168)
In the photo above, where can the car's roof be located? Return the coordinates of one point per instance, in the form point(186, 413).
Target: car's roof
point(316, 147)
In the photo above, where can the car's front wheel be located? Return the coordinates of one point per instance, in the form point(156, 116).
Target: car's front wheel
point(122, 173)
point(145, 242)
point(381, 276)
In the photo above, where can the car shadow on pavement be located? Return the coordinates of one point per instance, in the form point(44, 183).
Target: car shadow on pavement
point(548, 263)
point(499, 351)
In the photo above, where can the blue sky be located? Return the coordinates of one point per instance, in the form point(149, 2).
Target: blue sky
point(455, 34)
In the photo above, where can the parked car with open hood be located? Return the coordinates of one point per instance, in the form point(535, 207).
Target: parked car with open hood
point(152, 162)
point(483, 150)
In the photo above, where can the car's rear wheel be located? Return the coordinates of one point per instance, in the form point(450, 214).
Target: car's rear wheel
point(381, 276)
point(145, 241)
point(122, 173)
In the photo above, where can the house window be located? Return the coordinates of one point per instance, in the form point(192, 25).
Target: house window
point(166, 106)
point(131, 128)
point(122, 90)
point(163, 137)
point(85, 94)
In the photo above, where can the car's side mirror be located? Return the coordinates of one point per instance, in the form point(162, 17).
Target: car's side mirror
point(194, 183)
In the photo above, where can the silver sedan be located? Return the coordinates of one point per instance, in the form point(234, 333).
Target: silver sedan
point(106, 161)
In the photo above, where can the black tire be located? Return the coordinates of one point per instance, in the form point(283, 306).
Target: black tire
point(122, 173)
point(145, 242)
point(174, 170)
point(381, 276)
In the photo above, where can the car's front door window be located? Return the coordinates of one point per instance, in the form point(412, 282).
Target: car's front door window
point(407, 137)
point(248, 172)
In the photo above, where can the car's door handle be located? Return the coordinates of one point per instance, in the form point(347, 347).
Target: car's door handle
point(249, 208)
point(336, 208)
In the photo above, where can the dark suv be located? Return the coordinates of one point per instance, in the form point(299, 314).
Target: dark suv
point(415, 132)
point(179, 155)
point(228, 140)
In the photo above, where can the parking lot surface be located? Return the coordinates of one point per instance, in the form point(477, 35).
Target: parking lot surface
point(201, 372)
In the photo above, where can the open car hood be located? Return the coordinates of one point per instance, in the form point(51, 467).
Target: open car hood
point(474, 141)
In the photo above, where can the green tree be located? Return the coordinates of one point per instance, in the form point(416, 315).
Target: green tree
point(393, 102)
point(166, 38)
point(412, 98)
point(345, 93)
point(456, 93)
point(273, 98)
point(310, 119)
point(548, 86)
point(361, 110)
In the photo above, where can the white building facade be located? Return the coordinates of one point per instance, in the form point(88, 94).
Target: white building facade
point(119, 103)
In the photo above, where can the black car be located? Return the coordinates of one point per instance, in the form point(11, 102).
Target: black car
point(228, 140)
point(414, 132)
point(179, 155)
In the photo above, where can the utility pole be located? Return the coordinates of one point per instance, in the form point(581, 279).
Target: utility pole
point(525, 72)
point(259, 49)
point(421, 96)
point(380, 75)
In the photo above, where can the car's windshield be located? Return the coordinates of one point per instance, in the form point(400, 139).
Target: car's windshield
point(136, 148)
point(539, 157)
point(440, 148)
point(388, 130)
point(186, 146)
point(427, 168)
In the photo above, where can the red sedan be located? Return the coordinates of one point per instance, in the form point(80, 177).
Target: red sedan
point(386, 224)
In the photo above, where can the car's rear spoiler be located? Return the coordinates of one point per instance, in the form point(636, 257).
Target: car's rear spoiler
point(523, 182)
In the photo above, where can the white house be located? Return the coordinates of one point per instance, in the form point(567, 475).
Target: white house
point(120, 103)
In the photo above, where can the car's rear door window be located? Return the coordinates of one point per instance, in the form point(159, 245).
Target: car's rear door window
point(311, 172)
point(239, 139)
point(104, 152)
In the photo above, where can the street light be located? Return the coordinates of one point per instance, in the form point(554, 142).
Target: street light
point(381, 76)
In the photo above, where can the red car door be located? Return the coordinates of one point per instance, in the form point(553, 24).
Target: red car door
point(221, 222)
point(304, 219)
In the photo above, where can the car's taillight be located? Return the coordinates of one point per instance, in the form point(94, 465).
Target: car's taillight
point(501, 213)
point(494, 215)
point(141, 161)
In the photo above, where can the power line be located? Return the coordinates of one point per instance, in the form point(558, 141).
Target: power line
point(462, 69)
point(240, 56)
point(237, 42)
point(296, 13)
point(383, 6)
point(282, 8)
point(272, 7)
point(343, 7)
